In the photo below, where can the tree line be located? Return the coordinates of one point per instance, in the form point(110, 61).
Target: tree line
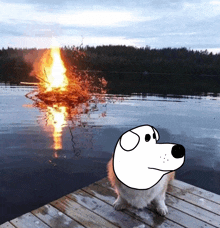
point(127, 69)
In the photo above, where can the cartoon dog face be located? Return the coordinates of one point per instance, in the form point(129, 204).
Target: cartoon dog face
point(139, 162)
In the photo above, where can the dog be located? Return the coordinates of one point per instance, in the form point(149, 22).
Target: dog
point(140, 169)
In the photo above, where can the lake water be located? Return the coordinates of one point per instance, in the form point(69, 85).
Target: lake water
point(43, 157)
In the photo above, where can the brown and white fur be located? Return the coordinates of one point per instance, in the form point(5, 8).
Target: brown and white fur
point(139, 198)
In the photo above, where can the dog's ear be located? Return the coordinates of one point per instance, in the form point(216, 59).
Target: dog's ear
point(129, 141)
point(156, 134)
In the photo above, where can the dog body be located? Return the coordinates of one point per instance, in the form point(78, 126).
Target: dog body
point(139, 198)
point(140, 169)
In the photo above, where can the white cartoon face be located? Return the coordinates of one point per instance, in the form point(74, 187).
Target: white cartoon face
point(139, 162)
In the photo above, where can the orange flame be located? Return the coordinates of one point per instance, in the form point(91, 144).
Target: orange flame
point(65, 94)
point(55, 73)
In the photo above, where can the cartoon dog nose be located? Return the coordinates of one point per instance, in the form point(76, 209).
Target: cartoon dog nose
point(178, 151)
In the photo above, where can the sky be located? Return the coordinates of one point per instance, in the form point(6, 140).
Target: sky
point(194, 24)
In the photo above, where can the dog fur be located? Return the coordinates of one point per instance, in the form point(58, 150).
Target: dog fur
point(140, 198)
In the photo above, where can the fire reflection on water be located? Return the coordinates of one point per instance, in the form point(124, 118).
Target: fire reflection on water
point(64, 95)
point(60, 117)
point(56, 119)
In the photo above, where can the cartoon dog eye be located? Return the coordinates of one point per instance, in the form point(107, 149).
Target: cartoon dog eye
point(155, 134)
point(129, 141)
point(147, 137)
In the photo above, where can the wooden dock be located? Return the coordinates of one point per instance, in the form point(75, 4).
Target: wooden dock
point(91, 206)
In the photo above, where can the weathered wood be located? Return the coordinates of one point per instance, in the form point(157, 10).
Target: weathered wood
point(28, 220)
point(176, 217)
point(79, 213)
point(200, 216)
point(55, 218)
point(196, 190)
point(105, 194)
point(149, 217)
point(29, 83)
point(7, 225)
point(104, 182)
point(105, 210)
point(191, 215)
point(196, 200)
point(92, 206)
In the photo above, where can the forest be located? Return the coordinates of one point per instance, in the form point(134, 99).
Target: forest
point(127, 69)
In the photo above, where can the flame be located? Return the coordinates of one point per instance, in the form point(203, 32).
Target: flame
point(63, 100)
point(56, 77)
point(56, 118)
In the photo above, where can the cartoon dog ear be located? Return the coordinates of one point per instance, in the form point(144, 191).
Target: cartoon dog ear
point(156, 134)
point(129, 141)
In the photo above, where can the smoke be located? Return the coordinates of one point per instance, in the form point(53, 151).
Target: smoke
point(39, 59)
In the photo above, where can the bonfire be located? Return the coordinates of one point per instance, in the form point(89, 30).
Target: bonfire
point(64, 93)
point(61, 86)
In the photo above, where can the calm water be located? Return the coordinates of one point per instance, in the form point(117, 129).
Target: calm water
point(43, 157)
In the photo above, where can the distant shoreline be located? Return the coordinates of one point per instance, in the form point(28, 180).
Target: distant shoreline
point(126, 69)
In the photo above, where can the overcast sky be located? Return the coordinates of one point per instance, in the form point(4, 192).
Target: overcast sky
point(192, 24)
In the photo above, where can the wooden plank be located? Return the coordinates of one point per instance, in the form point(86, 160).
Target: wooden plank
point(79, 213)
point(55, 218)
point(29, 83)
point(28, 220)
point(100, 192)
point(105, 183)
point(105, 210)
point(7, 225)
point(146, 216)
point(205, 217)
point(185, 220)
point(189, 193)
point(196, 190)
point(177, 207)
point(195, 200)
point(189, 206)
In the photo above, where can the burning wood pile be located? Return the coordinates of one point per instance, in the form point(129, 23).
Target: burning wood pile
point(63, 86)
point(65, 93)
